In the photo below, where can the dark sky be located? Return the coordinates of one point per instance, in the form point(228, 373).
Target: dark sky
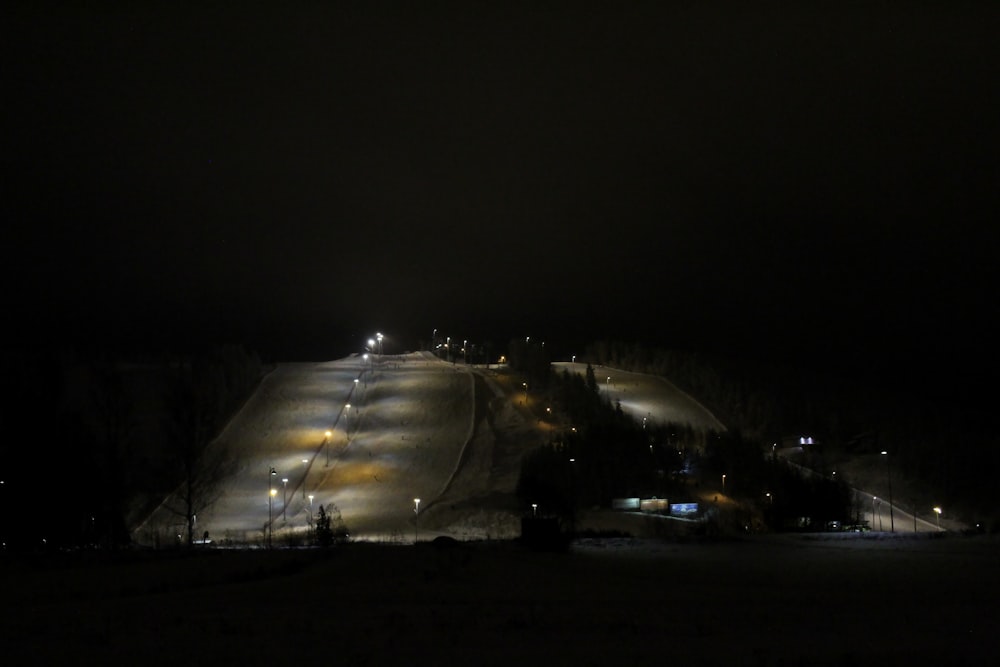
point(793, 180)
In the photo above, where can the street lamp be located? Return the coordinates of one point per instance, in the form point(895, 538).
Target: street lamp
point(326, 443)
point(416, 511)
point(270, 515)
point(534, 509)
point(284, 499)
point(937, 511)
point(874, 498)
point(272, 473)
point(305, 473)
point(888, 477)
point(724, 483)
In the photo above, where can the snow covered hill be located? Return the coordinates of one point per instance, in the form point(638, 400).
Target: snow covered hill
point(400, 428)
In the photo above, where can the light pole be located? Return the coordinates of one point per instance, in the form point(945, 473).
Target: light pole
point(534, 509)
point(937, 511)
point(305, 473)
point(326, 443)
point(416, 512)
point(874, 498)
point(272, 473)
point(284, 498)
point(888, 477)
point(723, 482)
point(525, 385)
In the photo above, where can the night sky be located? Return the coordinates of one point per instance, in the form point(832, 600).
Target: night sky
point(809, 182)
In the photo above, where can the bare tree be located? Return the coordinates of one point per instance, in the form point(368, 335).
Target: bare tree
point(195, 391)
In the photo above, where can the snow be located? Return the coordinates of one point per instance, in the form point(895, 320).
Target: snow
point(762, 601)
point(649, 396)
point(422, 426)
point(410, 417)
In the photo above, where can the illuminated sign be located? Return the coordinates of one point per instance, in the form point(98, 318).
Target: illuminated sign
point(683, 509)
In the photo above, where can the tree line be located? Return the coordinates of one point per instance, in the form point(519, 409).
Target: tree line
point(937, 446)
point(944, 448)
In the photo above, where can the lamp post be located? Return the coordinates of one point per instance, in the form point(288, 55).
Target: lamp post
point(937, 511)
point(326, 443)
point(305, 473)
point(888, 477)
point(874, 498)
point(416, 512)
point(284, 498)
point(270, 503)
point(723, 482)
point(347, 424)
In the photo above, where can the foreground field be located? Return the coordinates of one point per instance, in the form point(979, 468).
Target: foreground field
point(768, 601)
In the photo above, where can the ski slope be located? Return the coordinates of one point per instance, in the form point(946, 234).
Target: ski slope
point(401, 427)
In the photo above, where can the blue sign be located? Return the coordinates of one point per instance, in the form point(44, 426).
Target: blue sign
point(681, 509)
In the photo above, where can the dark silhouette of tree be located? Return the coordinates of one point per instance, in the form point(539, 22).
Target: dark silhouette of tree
point(330, 527)
point(591, 379)
point(196, 392)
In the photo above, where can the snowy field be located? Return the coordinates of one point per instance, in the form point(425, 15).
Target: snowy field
point(761, 602)
point(647, 397)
